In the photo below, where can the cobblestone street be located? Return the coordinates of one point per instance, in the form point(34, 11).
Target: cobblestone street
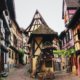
point(18, 74)
point(39, 39)
point(65, 76)
point(22, 74)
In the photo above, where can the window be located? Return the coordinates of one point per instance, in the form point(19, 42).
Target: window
point(6, 12)
point(78, 31)
point(15, 40)
point(67, 37)
point(0, 25)
point(79, 1)
point(70, 34)
point(48, 63)
point(2, 30)
point(71, 13)
point(9, 54)
point(12, 54)
point(63, 41)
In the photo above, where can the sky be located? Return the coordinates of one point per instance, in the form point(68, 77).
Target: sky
point(51, 11)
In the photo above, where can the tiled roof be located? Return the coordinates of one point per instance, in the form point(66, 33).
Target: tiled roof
point(2, 5)
point(43, 29)
point(73, 3)
point(75, 19)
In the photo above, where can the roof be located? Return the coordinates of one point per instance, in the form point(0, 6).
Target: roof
point(43, 29)
point(11, 8)
point(17, 26)
point(2, 5)
point(62, 34)
point(45, 32)
point(75, 19)
point(73, 3)
point(34, 18)
point(38, 27)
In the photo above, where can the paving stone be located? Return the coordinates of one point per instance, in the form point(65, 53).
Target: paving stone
point(18, 74)
point(23, 74)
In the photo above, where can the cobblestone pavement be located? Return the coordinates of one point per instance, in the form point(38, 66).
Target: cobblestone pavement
point(66, 76)
point(23, 74)
point(18, 74)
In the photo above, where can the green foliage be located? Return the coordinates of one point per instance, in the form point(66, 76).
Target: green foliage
point(1, 78)
point(21, 52)
point(47, 43)
point(64, 52)
point(21, 55)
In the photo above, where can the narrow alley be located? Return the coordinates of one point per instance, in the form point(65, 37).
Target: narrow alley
point(43, 46)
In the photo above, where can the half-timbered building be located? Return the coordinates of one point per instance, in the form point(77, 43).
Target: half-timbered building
point(74, 25)
point(41, 38)
point(69, 9)
point(5, 36)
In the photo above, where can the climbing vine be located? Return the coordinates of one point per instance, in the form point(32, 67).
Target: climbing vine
point(64, 52)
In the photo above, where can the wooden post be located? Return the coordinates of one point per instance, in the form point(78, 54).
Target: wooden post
point(78, 62)
point(74, 71)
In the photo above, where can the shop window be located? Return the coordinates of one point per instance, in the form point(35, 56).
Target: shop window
point(48, 63)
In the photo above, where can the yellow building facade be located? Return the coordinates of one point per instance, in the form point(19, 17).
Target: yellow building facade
point(75, 26)
point(76, 37)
